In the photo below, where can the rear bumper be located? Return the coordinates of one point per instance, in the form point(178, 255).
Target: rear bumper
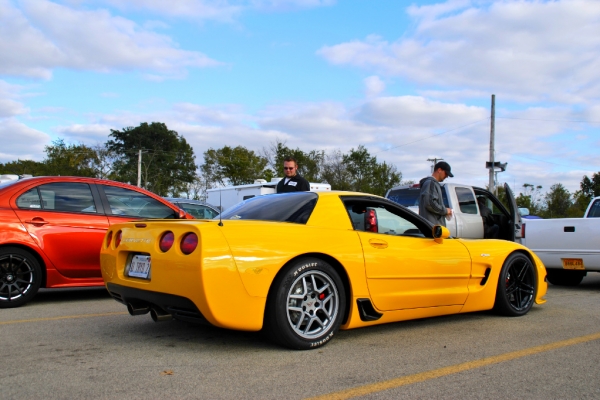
point(179, 307)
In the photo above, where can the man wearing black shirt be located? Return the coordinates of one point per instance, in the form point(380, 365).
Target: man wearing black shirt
point(292, 182)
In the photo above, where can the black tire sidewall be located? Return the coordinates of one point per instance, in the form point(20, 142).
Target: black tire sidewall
point(37, 276)
point(503, 305)
point(277, 323)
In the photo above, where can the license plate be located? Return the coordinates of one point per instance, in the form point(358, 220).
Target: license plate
point(139, 267)
point(572, 263)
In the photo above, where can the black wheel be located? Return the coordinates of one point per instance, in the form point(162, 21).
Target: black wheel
point(306, 305)
point(20, 277)
point(516, 286)
point(561, 277)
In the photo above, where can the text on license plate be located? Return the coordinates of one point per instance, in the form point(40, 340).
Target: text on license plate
point(139, 267)
point(572, 263)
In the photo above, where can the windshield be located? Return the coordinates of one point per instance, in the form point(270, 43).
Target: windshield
point(284, 207)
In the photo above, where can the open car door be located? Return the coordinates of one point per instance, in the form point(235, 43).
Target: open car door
point(514, 212)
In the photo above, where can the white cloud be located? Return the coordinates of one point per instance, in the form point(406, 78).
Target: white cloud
point(41, 36)
point(30, 143)
point(402, 130)
point(373, 86)
point(547, 50)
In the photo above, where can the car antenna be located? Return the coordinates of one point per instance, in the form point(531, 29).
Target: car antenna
point(220, 209)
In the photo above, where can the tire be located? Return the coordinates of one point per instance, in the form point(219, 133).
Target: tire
point(561, 277)
point(516, 286)
point(20, 277)
point(306, 305)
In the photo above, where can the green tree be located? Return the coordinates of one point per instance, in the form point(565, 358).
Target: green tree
point(335, 173)
point(558, 202)
point(309, 164)
point(529, 198)
point(361, 166)
point(167, 159)
point(590, 187)
point(367, 175)
point(385, 177)
point(69, 160)
point(234, 165)
point(23, 167)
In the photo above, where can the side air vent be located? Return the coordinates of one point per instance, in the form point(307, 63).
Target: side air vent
point(366, 310)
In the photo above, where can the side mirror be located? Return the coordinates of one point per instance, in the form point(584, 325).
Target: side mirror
point(440, 233)
point(182, 214)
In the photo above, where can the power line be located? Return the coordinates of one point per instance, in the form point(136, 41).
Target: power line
point(551, 120)
point(429, 137)
point(544, 161)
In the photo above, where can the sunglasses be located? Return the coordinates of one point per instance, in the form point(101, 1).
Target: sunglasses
point(290, 168)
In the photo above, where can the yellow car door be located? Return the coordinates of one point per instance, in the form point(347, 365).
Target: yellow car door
point(404, 268)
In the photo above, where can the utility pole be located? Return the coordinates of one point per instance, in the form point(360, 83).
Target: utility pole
point(492, 186)
point(434, 161)
point(139, 182)
point(493, 165)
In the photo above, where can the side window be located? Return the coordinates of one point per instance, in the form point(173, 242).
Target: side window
point(130, 203)
point(61, 196)
point(466, 200)
point(30, 199)
point(198, 210)
point(376, 218)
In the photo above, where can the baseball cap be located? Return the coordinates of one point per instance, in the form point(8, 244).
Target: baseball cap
point(444, 166)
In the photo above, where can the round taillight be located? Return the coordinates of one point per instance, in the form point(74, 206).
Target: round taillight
point(108, 239)
point(118, 239)
point(166, 241)
point(189, 243)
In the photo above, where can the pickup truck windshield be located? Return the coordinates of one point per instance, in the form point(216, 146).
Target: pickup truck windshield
point(284, 207)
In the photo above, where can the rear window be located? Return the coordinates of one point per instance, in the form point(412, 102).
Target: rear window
point(595, 210)
point(283, 207)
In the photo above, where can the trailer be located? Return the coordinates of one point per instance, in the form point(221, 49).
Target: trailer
point(228, 196)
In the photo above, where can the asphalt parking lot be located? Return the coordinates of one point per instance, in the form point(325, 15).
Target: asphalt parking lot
point(79, 343)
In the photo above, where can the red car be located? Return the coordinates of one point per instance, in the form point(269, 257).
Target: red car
point(51, 230)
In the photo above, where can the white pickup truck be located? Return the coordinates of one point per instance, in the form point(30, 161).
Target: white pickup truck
point(466, 221)
point(569, 247)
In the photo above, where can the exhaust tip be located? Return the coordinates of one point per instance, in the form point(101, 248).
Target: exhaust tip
point(138, 309)
point(159, 315)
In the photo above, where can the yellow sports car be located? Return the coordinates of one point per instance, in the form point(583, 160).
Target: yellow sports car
point(302, 265)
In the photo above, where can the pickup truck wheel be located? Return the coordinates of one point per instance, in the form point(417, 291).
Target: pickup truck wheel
point(516, 286)
point(306, 305)
point(561, 277)
point(20, 277)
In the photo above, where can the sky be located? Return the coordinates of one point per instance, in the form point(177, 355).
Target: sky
point(409, 80)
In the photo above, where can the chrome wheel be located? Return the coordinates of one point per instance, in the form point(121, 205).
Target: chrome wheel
point(20, 277)
point(306, 304)
point(312, 304)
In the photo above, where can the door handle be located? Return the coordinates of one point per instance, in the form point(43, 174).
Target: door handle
point(36, 221)
point(378, 243)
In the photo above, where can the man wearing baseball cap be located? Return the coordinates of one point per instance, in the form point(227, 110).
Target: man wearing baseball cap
point(431, 201)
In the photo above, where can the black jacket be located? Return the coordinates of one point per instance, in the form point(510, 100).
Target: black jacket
point(295, 184)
